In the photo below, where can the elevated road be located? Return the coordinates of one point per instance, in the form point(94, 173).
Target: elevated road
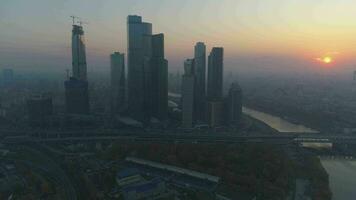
point(93, 136)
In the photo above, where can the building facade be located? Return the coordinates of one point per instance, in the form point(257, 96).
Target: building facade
point(159, 78)
point(76, 88)
point(79, 63)
point(200, 87)
point(117, 82)
point(188, 91)
point(215, 113)
point(215, 105)
point(137, 52)
point(215, 74)
point(234, 104)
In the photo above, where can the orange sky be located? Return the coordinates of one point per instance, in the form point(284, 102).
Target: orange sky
point(269, 31)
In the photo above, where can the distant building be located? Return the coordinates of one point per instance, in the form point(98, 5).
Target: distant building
point(215, 113)
point(2, 111)
point(234, 104)
point(39, 108)
point(79, 63)
point(136, 30)
point(215, 74)
point(200, 87)
point(118, 82)
point(188, 91)
point(76, 96)
point(7, 76)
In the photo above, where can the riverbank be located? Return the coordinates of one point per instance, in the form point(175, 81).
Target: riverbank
point(342, 178)
point(307, 166)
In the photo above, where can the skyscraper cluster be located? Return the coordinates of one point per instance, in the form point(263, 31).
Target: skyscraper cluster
point(145, 92)
point(201, 103)
point(202, 98)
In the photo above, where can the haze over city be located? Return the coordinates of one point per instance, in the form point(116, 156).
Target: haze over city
point(274, 36)
point(183, 100)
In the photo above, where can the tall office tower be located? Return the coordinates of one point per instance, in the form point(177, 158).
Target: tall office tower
point(117, 61)
point(77, 96)
point(76, 88)
point(215, 74)
point(200, 74)
point(79, 63)
point(215, 87)
point(158, 78)
point(234, 104)
point(147, 79)
point(137, 53)
point(188, 91)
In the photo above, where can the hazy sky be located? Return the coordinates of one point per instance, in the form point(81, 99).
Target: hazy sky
point(274, 35)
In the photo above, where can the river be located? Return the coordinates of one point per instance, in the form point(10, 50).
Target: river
point(277, 123)
point(342, 173)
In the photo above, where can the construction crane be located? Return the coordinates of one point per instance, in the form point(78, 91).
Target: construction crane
point(73, 18)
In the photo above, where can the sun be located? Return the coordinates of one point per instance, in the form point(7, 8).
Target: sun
point(327, 59)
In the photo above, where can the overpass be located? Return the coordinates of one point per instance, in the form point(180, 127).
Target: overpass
point(94, 136)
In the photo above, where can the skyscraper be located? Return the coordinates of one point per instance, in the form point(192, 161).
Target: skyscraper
point(234, 104)
point(215, 87)
point(200, 86)
point(188, 91)
point(76, 88)
point(215, 113)
point(159, 78)
point(136, 46)
point(215, 74)
point(117, 62)
point(79, 63)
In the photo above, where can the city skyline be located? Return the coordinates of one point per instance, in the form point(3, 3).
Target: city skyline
point(269, 35)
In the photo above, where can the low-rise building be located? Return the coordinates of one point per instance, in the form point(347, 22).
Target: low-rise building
point(144, 190)
point(128, 176)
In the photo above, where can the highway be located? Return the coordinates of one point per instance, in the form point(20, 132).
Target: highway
point(180, 138)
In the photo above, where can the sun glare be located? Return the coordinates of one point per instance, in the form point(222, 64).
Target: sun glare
point(327, 59)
